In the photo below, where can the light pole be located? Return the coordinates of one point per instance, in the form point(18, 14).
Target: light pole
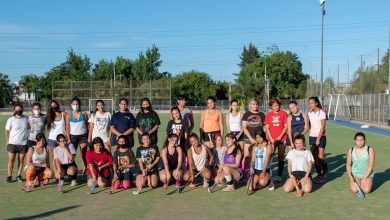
point(322, 2)
point(388, 85)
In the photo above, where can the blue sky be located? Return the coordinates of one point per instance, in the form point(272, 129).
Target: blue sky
point(203, 35)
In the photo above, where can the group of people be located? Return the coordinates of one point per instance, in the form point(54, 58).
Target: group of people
point(106, 141)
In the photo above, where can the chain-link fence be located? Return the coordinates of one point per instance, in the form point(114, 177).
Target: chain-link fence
point(158, 91)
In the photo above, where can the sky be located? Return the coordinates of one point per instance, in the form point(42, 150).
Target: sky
point(203, 35)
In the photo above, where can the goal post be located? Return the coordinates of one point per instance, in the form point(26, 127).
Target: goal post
point(339, 108)
point(109, 105)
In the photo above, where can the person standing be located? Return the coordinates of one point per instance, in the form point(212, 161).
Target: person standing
point(147, 122)
point(297, 123)
point(186, 113)
point(122, 123)
point(99, 125)
point(37, 123)
point(16, 136)
point(211, 122)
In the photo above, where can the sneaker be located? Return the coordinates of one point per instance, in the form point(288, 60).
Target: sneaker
point(8, 179)
point(19, 179)
point(60, 184)
point(73, 183)
point(192, 185)
point(165, 184)
point(278, 179)
point(324, 175)
point(229, 188)
point(177, 184)
point(319, 180)
point(28, 186)
point(205, 184)
point(271, 185)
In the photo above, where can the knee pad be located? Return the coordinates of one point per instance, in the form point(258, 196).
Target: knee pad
point(126, 185)
point(117, 185)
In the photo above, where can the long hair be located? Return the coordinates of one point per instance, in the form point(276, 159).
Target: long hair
point(51, 114)
point(98, 101)
point(97, 140)
point(317, 101)
point(231, 103)
point(145, 100)
point(166, 142)
point(178, 110)
point(236, 148)
point(41, 136)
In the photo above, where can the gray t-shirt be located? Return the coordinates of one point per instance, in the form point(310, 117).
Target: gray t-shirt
point(37, 125)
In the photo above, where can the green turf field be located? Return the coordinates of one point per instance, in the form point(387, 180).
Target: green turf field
point(331, 200)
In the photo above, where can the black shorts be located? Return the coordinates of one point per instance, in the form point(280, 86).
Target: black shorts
point(288, 140)
point(31, 143)
point(39, 171)
point(242, 137)
point(299, 175)
point(258, 172)
point(78, 139)
point(208, 135)
point(66, 166)
point(15, 148)
point(126, 176)
point(312, 141)
point(153, 172)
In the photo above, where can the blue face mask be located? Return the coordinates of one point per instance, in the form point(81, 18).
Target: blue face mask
point(75, 107)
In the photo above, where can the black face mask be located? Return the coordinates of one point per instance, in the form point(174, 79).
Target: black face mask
point(56, 109)
point(147, 108)
point(122, 145)
point(19, 112)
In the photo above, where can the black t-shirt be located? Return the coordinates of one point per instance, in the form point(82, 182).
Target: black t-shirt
point(124, 159)
point(254, 122)
point(148, 155)
point(179, 129)
point(146, 121)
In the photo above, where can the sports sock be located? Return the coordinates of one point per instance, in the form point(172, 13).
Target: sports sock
point(324, 165)
point(280, 167)
point(229, 180)
point(318, 169)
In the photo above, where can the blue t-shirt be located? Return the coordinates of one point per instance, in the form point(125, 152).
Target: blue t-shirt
point(122, 121)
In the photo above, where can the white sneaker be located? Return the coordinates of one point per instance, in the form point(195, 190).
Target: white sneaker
point(73, 183)
point(271, 185)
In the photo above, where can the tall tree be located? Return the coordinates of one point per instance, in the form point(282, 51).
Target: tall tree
point(249, 55)
point(30, 84)
point(5, 90)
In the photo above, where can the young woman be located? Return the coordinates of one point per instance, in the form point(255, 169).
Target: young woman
point(77, 129)
point(148, 157)
point(147, 121)
point(38, 163)
point(186, 113)
point(360, 164)
point(64, 160)
point(299, 166)
point(276, 124)
point(297, 123)
point(252, 122)
point(122, 123)
point(261, 162)
point(218, 152)
point(172, 157)
point(37, 123)
point(124, 161)
point(99, 161)
point(211, 122)
point(56, 125)
point(99, 125)
point(233, 122)
point(197, 156)
point(179, 127)
point(230, 168)
point(317, 138)
point(16, 135)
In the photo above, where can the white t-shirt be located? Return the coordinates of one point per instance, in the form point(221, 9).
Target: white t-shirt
point(18, 130)
point(300, 159)
point(315, 122)
point(60, 154)
point(100, 125)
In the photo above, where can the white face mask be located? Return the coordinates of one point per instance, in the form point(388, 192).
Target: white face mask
point(36, 111)
point(75, 107)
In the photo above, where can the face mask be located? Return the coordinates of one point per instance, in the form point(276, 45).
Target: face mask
point(36, 112)
point(75, 107)
point(56, 109)
point(147, 108)
point(19, 112)
point(122, 145)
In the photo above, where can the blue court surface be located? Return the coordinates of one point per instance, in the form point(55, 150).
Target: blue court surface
point(373, 130)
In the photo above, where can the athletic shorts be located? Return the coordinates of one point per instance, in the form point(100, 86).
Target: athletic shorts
point(52, 143)
point(39, 171)
point(288, 140)
point(31, 143)
point(66, 166)
point(242, 137)
point(79, 139)
point(299, 175)
point(312, 141)
point(153, 172)
point(207, 135)
point(104, 177)
point(258, 172)
point(126, 176)
point(16, 148)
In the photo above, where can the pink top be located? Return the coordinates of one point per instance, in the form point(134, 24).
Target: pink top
point(315, 122)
